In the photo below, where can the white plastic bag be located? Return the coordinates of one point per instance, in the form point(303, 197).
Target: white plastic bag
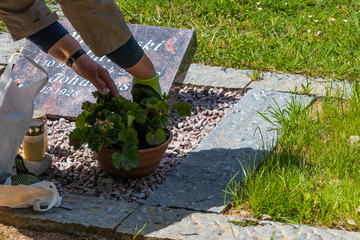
point(41, 194)
point(16, 111)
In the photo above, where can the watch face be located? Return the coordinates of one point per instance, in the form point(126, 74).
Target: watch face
point(70, 61)
point(74, 57)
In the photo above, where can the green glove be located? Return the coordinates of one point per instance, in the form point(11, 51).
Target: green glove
point(146, 88)
point(24, 179)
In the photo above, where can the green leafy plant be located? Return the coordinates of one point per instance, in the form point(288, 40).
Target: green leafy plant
point(120, 124)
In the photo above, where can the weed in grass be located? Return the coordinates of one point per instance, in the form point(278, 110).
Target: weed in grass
point(235, 184)
point(244, 222)
point(273, 234)
point(232, 189)
point(256, 75)
point(136, 232)
point(306, 89)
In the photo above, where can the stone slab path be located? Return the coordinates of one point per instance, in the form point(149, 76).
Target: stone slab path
point(188, 203)
point(202, 75)
point(240, 139)
point(8, 47)
point(90, 216)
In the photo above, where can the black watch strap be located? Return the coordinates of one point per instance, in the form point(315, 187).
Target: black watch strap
point(71, 60)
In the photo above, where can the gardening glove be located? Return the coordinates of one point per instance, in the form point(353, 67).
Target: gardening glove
point(23, 177)
point(146, 88)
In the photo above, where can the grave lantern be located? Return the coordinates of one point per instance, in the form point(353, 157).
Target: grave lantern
point(34, 141)
point(41, 115)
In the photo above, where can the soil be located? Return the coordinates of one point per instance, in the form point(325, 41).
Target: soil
point(12, 233)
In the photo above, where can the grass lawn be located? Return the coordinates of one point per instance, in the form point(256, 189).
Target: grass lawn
point(313, 37)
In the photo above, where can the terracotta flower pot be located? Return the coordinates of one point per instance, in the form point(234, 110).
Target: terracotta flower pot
point(149, 161)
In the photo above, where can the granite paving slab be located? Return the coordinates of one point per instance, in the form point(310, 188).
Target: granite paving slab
point(238, 142)
point(172, 223)
point(177, 223)
point(202, 75)
point(265, 230)
point(294, 82)
point(89, 215)
point(8, 47)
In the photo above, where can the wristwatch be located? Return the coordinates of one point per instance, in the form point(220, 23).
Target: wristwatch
point(71, 60)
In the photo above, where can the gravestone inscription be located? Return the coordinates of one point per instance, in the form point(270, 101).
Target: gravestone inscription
point(171, 50)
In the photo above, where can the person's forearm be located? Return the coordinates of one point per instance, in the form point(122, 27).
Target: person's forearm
point(84, 66)
point(64, 48)
point(56, 41)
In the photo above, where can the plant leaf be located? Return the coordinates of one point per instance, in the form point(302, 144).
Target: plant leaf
point(75, 138)
point(182, 108)
point(130, 119)
point(128, 135)
point(116, 159)
point(128, 159)
point(80, 120)
point(86, 106)
point(156, 139)
point(149, 101)
point(140, 116)
point(161, 105)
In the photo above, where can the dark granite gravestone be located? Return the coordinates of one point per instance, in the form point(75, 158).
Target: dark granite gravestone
point(171, 50)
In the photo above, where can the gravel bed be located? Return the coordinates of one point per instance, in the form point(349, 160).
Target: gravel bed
point(77, 172)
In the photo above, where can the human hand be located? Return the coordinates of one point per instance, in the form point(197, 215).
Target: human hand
point(96, 74)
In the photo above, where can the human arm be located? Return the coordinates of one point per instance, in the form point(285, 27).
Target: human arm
point(84, 66)
point(33, 19)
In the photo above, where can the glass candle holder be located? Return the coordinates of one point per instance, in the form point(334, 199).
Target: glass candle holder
point(34, 141)
point(41, 115)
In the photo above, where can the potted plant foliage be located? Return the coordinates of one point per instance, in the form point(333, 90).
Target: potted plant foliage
point(129, 138)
